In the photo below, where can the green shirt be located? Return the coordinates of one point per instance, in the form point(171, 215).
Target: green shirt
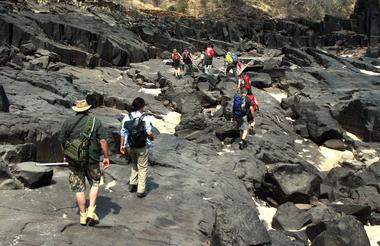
point(69, 131)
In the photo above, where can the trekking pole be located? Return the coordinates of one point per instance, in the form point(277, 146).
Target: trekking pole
point(53, 164)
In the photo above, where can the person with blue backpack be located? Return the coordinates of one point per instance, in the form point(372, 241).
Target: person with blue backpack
point(244, 110)
point(232, 62)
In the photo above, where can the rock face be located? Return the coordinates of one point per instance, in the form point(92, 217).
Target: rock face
point(200, 185)
point(289, 217)
point(4, 103)
point(343, 231)
point(33, 176)
point(361, 115)
point(293, 182)
point(238, 226)
point(7, 180)
point(367, 17)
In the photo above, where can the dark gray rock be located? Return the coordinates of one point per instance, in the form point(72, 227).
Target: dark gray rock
point(28, 48)
point(323, 213)
point(33, 176)
point(280, 239)
point(360, 115)
point(4, 102)
point(336, 144)
point(7, 180)
point(261, 80)
point(227, 131)
point(343, 231)
point(238, 225)
point(293, 182)
point(289, 217)
point(360, 212)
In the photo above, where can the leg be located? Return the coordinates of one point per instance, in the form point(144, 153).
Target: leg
point(78, 185)
point(143, 168)
point(134, 171)
point(93, 175)
point(81, 201)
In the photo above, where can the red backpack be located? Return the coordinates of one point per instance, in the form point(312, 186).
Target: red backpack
point(246, 82)
point(176, 57)
point(210, 52)
point(252, 98)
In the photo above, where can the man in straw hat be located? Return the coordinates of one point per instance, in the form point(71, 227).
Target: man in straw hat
point(74, 127)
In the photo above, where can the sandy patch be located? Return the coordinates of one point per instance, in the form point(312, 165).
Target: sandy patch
point(168, 123)
point(369, 72)
point(266, 214)
point(278, 95)
point(331, 158)
point(154, 92)
point(373, 233)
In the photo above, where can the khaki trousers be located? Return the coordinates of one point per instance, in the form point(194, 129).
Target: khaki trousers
point(139, 168)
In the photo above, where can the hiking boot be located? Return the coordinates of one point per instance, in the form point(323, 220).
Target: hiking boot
point(141, 195)
point(91, 216)
point(243, 144)
point(83, 218)
point(132, 188)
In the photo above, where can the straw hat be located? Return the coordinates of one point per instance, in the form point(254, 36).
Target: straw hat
point(81, 106)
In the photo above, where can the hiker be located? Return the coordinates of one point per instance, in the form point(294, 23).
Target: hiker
point(83, 139)
point(244, 110)
point(188, 61)
point(244, 81)
point(176, 57)
point(136, 136)
point(233, 63)
point(208, 57)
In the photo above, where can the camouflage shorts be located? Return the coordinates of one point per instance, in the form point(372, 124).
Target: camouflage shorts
point(78, 175)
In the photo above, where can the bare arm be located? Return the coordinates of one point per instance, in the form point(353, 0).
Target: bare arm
point(104, 147)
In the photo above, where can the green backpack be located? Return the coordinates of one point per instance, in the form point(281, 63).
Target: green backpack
point(76, 150)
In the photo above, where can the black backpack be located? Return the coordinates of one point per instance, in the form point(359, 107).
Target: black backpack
point(136, 131)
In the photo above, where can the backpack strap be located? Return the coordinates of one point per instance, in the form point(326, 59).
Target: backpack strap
point(89, 128)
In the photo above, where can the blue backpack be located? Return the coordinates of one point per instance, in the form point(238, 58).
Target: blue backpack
point(239, 107)
point(234, 58)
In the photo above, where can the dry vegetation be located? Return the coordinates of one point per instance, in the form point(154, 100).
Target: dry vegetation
point(314, 9)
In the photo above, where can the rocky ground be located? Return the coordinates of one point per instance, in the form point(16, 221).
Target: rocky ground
point(310, 175)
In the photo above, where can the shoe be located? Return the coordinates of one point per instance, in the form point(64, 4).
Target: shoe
point(141, 195)
point(245, 144)
point(132, 188)
point(83, 218)
point(241, 145)
point(91, 216)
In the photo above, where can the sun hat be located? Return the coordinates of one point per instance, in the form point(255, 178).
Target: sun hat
point(81, 106)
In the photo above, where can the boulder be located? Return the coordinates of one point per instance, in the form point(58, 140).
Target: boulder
point(289, 217)
point(4, 102)
point(360, 212)
point(373, 52)
point(7, 180)
point(33, 176)
point(320, 123)
point(297, 183)
point(343, 231)
point(323, 213)
point(166, 55)
point(207, 98)
point(360, 115)
point(227, 131)
point(238, 224)
point(28, 48)
point(280, 239)
point(336, 144)
point(261, 80)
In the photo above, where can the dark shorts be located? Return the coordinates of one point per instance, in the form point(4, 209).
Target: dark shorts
point(176, 64)
point(78, 175)
point(243, 123)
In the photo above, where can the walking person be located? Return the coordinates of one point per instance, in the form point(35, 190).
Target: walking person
point(208, 58)
point(244, 108)
point(136, 136)
point(188, 61)
point(176, 57)
point(232, 62)
point(83, 139)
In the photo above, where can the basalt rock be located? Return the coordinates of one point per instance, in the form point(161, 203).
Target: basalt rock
point(7, 180)
point(4, 102)
point(33, 176)
point(289, 217)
